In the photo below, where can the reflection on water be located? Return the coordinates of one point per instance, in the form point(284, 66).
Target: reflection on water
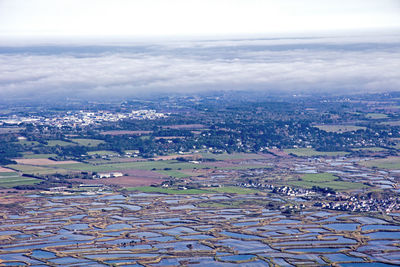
point(160, 230)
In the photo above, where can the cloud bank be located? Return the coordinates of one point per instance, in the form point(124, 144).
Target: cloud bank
point(316, 64)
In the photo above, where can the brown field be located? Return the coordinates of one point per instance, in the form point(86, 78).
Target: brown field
point(113, 160)
point(122, 132)
point(184, 126)
point(13, 198)
point(40, 162)
point(125, 181)
point(134, 178)
point(2, 169)
point(197, 172)
point(227, 164)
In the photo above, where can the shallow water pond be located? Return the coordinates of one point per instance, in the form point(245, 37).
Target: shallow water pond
point(183, 207)
point(117, 226)
point(380, 227)
point(128, 207)
point(246, 223)
point(42, 254)
point(179, 231)
point(196, 237)
point(384, 235)
point(9, 233)
point(315, 250)
point(342, 226)
point(341, 257)
point(239, 235)
point(239, 257)
point(77, 226)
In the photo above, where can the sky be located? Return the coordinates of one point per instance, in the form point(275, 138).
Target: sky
point(141, 18)
point(98, 48)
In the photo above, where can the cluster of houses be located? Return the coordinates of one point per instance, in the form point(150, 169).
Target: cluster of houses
point(283, 190)
point(357, 205)
point(84, 118)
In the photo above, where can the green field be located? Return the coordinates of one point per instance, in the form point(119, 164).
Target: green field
point(372, 149)
point(28, 169)
point(103, 153)
point(38, 156)
point(226, 156)
point(243, 167)
point(150, 189)
point(59, 143)
point(310, 152)
point(376, 116)
point(88, 142)
point(340, 128)
point(164, 165)
point(11, 179)
point(234, 190)
point(28, 143)
point(391, 163)
point(325, 180)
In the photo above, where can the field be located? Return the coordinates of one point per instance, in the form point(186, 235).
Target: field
point(166, 137)
point(184, 126)
point(244, 167)
point(310, 152)
point(43, 162)
point(103, 153)
point(170, 157)
point(376, 116)
point(139, 165)
point(38, 156)
point(28, 169)
point(391, 163)
point(124, 181)
point(88, 142)
point(226, 156)
point(325, 180)
point(2, 170)
point(123, 132)
point(11, 179)
point(28, 143)
point(59, 143)
point(340, 128)
point(234, 190)
point(372, 149)
point(175, 174)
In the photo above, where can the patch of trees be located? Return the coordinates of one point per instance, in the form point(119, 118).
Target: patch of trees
point(323, 190)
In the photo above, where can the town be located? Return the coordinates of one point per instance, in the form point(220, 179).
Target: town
point(81, 118)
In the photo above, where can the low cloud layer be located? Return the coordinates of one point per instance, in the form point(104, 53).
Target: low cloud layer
point(291, 65)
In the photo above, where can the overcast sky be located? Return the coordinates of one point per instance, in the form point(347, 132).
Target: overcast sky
point(329, 46)
point(54, 18)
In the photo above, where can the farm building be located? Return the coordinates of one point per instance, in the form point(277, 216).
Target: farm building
point(101, 175)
